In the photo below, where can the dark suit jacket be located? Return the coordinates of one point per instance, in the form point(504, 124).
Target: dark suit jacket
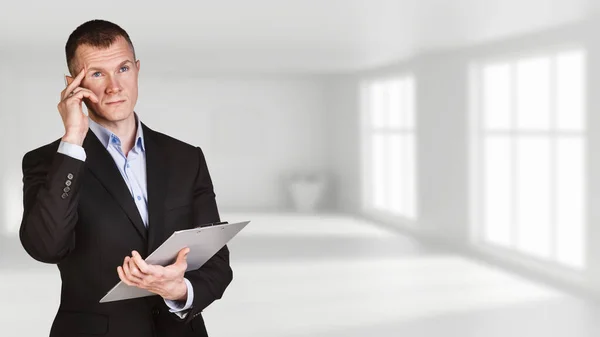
point(82, 217)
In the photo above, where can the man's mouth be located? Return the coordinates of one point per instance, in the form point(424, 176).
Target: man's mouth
point(115, 102)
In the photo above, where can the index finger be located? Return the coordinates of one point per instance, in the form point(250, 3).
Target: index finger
point(140, 263)
point(76, 81)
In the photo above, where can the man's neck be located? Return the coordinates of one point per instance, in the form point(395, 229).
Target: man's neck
point(125, 129)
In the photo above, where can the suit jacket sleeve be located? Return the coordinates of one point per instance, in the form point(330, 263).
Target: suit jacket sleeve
point(51, 185)
point(210, 280)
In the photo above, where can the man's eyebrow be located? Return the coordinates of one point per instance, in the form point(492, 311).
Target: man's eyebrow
point(120, 65)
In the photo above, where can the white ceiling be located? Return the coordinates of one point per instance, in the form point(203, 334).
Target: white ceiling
point(288, 35)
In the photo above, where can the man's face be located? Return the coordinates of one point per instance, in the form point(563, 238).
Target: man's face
point(112, 75)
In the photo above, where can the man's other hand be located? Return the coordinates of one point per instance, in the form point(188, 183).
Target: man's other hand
point(164, 281)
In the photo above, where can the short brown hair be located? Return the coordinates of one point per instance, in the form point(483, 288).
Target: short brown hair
point(95, 33)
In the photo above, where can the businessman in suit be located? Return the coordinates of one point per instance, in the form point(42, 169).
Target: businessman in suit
point(108, 193)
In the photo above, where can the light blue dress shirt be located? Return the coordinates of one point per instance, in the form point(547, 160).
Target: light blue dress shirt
point(133, 170)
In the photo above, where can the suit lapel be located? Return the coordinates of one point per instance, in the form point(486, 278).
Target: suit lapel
point(102, 165)
point(156, 177)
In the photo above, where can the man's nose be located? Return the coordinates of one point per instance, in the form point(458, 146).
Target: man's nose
point(113, 86)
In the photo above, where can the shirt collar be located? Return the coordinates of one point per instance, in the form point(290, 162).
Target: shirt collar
point(106, 136)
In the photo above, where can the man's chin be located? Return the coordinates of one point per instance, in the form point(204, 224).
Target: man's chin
point(113, 116)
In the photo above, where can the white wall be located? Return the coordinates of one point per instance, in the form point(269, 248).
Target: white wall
point(254, 129)
point(342, 108)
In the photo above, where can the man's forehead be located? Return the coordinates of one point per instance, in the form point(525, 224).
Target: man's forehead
point(105, 63)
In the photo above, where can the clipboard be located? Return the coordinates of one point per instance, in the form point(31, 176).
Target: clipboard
point(204, 242)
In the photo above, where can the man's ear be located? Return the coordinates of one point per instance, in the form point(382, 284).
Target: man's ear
point(68, 79)
point(137, 64)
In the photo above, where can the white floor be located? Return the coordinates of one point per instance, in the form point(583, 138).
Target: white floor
point(340, 277)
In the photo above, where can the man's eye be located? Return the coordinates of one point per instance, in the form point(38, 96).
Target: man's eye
point(124, 68)
point(96, 74)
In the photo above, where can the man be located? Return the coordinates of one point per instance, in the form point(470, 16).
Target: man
point(108, 193)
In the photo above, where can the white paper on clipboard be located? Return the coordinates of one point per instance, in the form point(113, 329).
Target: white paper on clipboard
point(204, 242)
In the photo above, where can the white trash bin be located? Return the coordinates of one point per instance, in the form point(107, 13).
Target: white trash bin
point(307, 191)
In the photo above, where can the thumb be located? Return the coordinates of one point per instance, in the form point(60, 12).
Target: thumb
point(182, 256)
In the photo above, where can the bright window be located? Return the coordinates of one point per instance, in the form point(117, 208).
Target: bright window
point(389, 146)
point(530, 158)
